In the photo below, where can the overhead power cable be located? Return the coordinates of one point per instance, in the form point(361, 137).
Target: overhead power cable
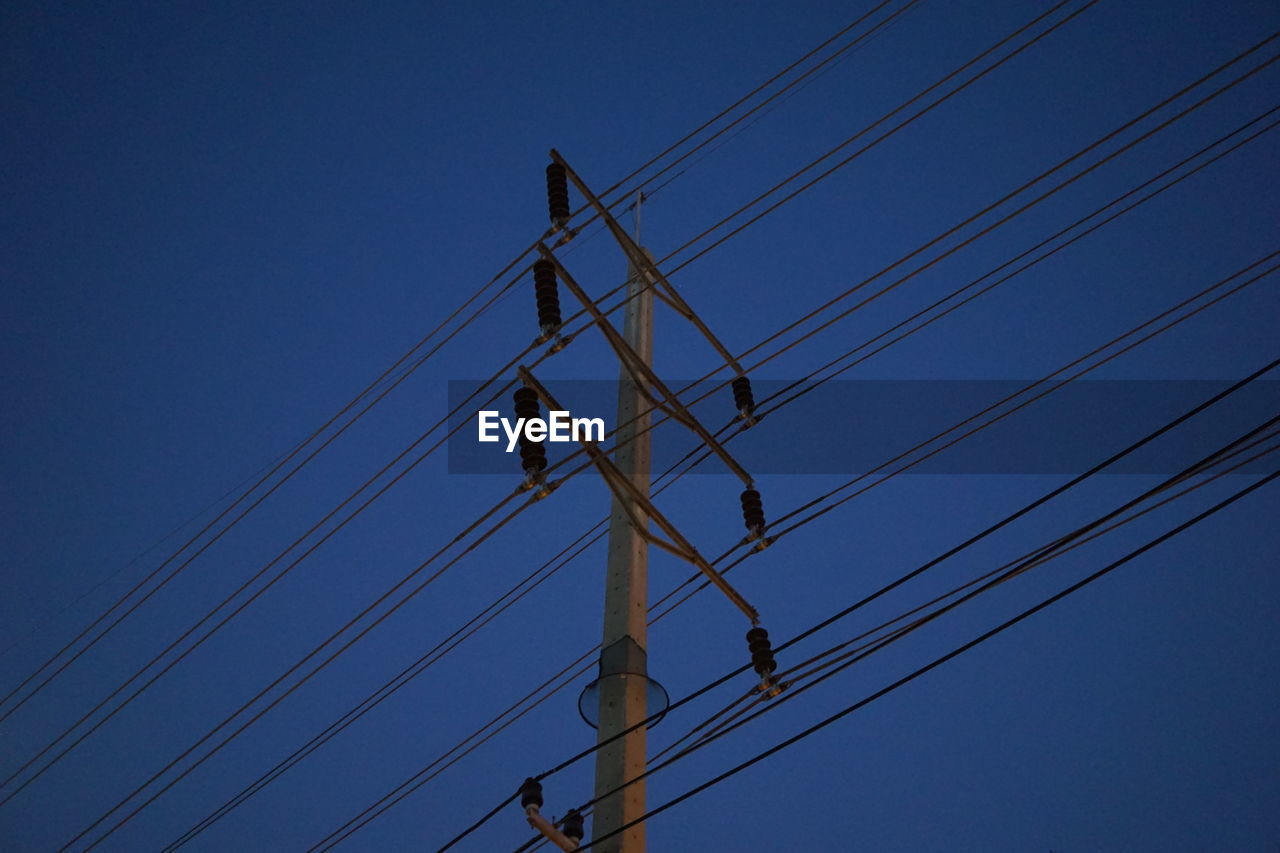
point(196, 627)
point(244, 496)
point(725, 434)
point(1004, 220)
point(828, 663)
point(53, 616)
point(1006, 198)
point(210, 615)
point(1169, 326)
point(423, 661)
point(1042, 33)
point(942, 99)
point(771, 538)
point(516, 261)
point(509, 598)
point(1135, 446)
point(407, 371)
point(1189, 315)
point(945, 658)
point(726, 722)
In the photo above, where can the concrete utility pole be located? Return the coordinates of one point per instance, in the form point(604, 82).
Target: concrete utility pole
point(624, 685)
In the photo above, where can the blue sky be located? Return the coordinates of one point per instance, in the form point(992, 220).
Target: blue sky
point(220, 222)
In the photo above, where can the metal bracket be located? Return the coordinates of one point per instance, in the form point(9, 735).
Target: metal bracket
point(643, 374)
point(548, 829)
point(642, 262)
point(624, 657)
point(628, 494)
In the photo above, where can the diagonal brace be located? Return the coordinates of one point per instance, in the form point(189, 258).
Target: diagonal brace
point(627, 494)
point(644, 374)
point(642, 262)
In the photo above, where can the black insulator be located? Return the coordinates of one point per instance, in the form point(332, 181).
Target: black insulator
point(533, 456)
point(761, 651)
point(742, 396)
point(549, 313)
point(572, 825)
point(526, 400)
point(557, 194)
point(530, 793)
point(544, 273)
point(763, 662)
point(752, 510)
point(546, 289)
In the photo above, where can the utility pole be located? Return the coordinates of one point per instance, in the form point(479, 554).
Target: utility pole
point(624, 685)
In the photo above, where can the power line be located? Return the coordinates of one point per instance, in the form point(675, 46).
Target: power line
point(53, 616)
point(766, 84)
point(1062, 232)
point(761, 412)
point(847, 142)
point(1135, 446)
point(1165, 328)
point(421, 343)
point(770, 538)
point(414, 366)
point(970, 219)
point(792, 89)
point(1229, 278)
point(243, 497)
point(952, 654)
point(841, 657)
point(212, 613)
point(1037, 557)
point(509, 598)
point(226, 601)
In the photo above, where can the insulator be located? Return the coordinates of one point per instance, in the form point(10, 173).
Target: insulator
point(761, 651)
point(544, 273)
point(533, 456)
point(526, 400)
point(546, 289)
point(558, 194)
point(743, 399)
point(530, 793)
point(572, 825)
point(763, 662)
point(549, 313)
point(752, 511)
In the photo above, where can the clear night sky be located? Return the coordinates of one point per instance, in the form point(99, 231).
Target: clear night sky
point(221, 221)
